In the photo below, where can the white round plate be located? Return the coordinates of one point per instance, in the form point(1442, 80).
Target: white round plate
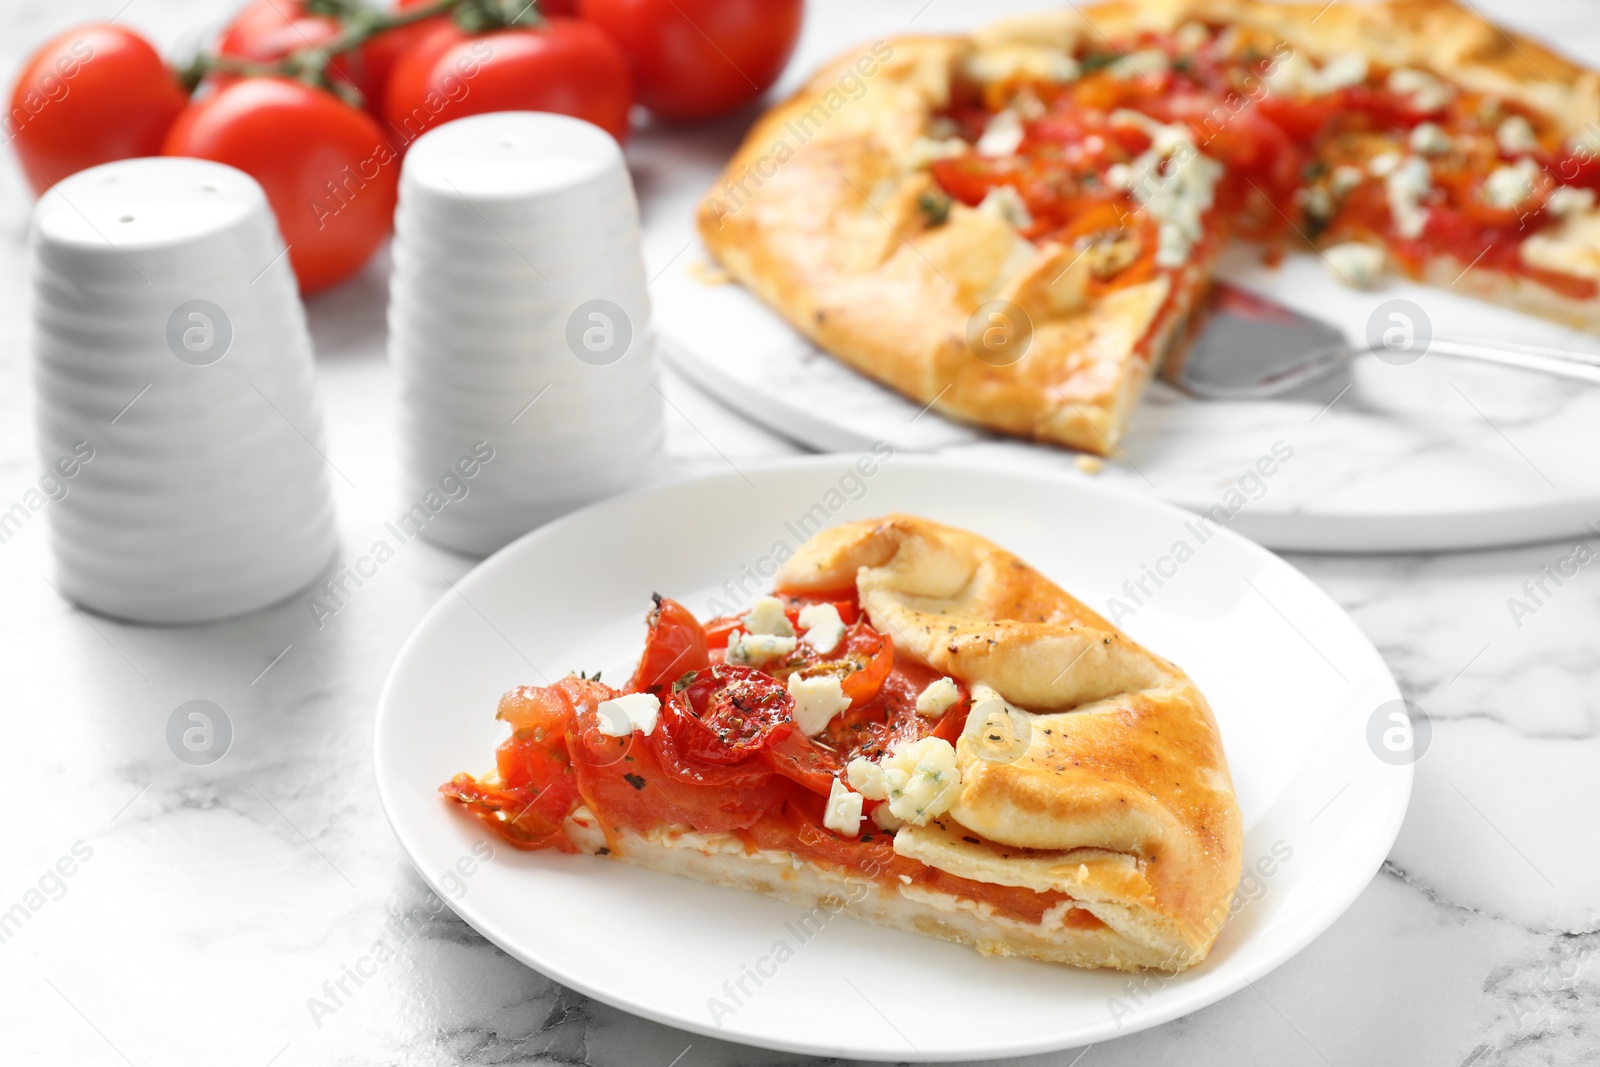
point(1293, 682)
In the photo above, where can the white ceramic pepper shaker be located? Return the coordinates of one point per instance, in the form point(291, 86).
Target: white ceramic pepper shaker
point(519, 323)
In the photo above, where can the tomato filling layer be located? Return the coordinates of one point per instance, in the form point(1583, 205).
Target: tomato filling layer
point(726, 754)
point(1329, 153)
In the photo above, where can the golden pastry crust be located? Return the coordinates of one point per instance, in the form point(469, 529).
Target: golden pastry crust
point(1448, 38)
point(818, 212)
point(1116, 782)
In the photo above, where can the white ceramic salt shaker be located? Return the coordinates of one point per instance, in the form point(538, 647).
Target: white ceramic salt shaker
point(174, 379)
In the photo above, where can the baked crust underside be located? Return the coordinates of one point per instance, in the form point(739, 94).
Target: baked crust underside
point(723, 860)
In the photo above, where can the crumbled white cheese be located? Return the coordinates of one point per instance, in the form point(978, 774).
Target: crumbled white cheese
point(1002, 136)
point(1430, 139)
point(1004, 202)
point(1355, 263)
point(1290, 75)
point(1516, 135)
point(919, 779)
point(843, 813)
point(1061, 68)
point(1294, 74)
point(1425, 92)
point(1145, 63)
point(938, 698)
point(816, 701)
point(1405, 188)
point(755, 650)
point(886, 819)
point(1509, 185)
point(1573, 247)
point(1172, 180)
point(1164, 137)
point(824, 629)
point(1317, 201)
point(1191, 36)
point(767, 617)
point(1177, 196)
point(1565, 200)
point(1029, 106)
point(1383, 164)
point(622, 715)
point(925, 151)
point(1022, 62)
point(1345, 178)
point(1586, 142)
point(1344, 70)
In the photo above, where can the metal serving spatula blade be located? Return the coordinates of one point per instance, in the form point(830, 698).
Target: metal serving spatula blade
point(1252, 348)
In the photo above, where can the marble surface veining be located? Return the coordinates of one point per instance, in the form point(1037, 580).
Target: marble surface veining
point(209, 909)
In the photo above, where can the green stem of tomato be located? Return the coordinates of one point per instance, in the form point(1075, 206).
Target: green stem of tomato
point(360, 23)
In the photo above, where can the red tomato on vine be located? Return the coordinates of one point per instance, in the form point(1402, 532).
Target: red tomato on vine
point(328, 171)
point(562, 65)
point(92, 95)
point(693, 59)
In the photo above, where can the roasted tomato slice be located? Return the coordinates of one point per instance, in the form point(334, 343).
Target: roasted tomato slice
point(537, 789)
point(640, 792)
point(545, 712)
point(969, 178)
point(726, 714)
point(809, 765)
point(862, 660)
point(529, 817)
point(1301, 117)
point(676, 646)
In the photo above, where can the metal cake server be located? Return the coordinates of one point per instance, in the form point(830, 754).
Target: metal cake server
point(1252, 348)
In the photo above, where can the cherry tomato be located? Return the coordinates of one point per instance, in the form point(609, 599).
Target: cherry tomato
point(676, 646)
point(268, 30)
point(92, 95)
point(564, 65)
point(726, 714)
point(693, 59)
point(862, 661)
point(381, 54)
point(265, 31)
point(327, 170)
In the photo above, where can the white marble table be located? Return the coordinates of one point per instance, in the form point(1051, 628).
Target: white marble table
point(206, 906)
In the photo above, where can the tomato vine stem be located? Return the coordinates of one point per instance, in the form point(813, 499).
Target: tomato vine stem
point(359, 23)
